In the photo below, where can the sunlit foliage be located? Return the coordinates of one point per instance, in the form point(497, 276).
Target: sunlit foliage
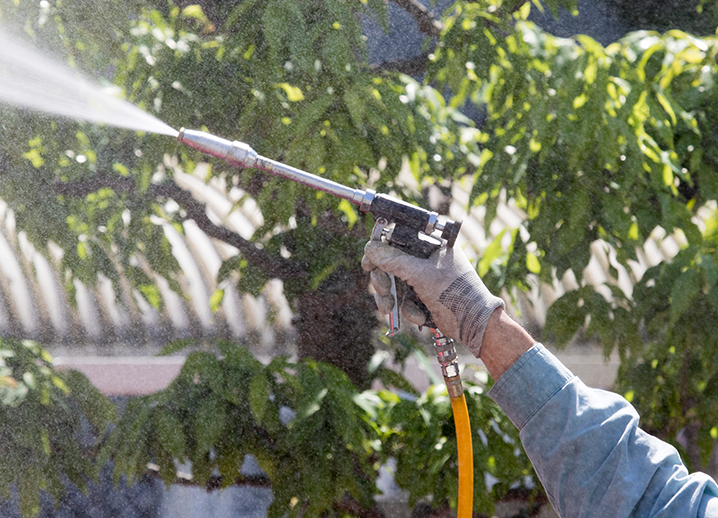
point(591, 142)
point(605, 143)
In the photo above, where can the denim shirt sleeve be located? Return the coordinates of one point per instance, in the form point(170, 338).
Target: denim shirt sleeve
point(588, 451)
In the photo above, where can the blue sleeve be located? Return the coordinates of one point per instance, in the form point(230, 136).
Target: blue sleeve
point(588, 451)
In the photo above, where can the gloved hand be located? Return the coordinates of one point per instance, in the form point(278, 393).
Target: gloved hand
point(446, 283)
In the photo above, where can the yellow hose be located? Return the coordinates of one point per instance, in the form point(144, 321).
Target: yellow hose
point(466, 456)
point(446, 354)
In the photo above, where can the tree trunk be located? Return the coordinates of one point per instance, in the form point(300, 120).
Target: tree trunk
point(336, 324)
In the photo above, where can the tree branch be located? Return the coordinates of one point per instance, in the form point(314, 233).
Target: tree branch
point(273, 266)
point(215, 481)
point(425, 510)
point(277, 267)
point(81, 188)
point(424, 18)
point(414, 66)
point(511, 10)
point(349, 505)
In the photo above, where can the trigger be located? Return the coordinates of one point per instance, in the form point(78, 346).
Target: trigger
point(394, 315)
point(377, 234)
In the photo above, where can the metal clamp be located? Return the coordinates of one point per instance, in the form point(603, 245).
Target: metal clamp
point(366, 199)
point(446, 354)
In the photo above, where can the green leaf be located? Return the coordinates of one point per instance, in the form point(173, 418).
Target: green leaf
point(685, 289)
point(710, 269)
point(29, 492)
point(203, 367)
point(259, 396)
point(708, 181)
point(336, 52)
point(618, 218)
point(667, 106)
point(194, 11)
point(313, 112)
point(572, 234)
point(600, 322)
point(349, 211)
point(553, 6)
point(274, 23)
point(215, 300)
point(98, 410)
point(369, 402)
point(379, 8)
point(169, 432)
point(355, 106)
point(252, 279)
point(564, 317)
point(152, 295)
point(311, 405)
point(294, 93)
point(492, 253)
point(209, 423)
point(392, 378)
point(532, 263)
point(176, 346)
point(237, 13)
point(237, 356)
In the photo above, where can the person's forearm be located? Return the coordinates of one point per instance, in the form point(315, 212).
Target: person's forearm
point(505, 341)
point(588, 451)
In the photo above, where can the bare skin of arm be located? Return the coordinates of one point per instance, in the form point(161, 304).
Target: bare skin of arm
point(504, 343)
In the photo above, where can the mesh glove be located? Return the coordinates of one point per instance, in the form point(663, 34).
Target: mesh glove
point(446, 283)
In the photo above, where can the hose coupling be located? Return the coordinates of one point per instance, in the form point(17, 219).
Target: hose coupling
point(454, 386)
point(446, 354)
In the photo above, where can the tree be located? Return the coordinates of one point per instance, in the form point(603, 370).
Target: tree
point(40, 425)
point(593, 143)
point(308, 97)
point(303, 96)
point(605, 144)
point(664, 15)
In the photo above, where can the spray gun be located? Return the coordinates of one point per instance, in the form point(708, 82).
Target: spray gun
point(412, 229)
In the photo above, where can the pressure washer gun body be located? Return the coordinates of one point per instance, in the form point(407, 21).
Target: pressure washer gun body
point(412, 229)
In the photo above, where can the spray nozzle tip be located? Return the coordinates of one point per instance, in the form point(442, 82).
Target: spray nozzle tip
point(180, 135)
